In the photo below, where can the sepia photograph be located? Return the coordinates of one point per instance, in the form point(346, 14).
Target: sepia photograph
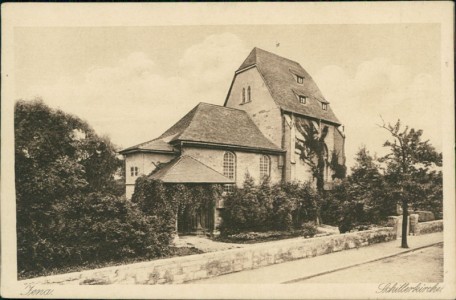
point(228, 150)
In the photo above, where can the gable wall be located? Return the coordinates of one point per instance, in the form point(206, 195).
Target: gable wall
point(262, 109)
point(245, 162)
point(145, 163)
point(339, 144)
point(295, 168)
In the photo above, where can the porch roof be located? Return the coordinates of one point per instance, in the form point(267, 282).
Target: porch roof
point(186, 169)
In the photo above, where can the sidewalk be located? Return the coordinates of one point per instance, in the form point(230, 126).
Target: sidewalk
point(305, 268)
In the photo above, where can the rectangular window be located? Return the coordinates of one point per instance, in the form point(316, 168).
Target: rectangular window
point(302, 99)
point(300, 79)
point(228, 188)
point(134, 171)
point(324, 106)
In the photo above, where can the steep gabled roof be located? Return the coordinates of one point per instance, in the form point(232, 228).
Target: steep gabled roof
point(186, 169)
point(279, 75)
point(214, 124)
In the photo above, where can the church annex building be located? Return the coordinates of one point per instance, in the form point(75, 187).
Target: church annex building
point(254, 131)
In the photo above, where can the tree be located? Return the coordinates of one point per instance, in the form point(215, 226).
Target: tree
point(58, 158)
point(314, 153)
point(313, 150)
point(409, 156)
point(368, 186)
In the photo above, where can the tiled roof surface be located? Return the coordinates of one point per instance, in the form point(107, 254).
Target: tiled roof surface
point(186, 169)
point(279, 75)
point(156, 144)
point(208, 123)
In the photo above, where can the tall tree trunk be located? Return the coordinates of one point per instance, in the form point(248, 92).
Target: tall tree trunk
point(404, 223)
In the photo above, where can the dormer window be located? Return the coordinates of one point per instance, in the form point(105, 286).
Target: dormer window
point(302, 99)
point(324, 106)
point(299, 79)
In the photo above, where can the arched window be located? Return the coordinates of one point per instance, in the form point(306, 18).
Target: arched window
point(243, 95)
point(265, 163)
point(229, 169)
point(229, 165)
point(248, 94)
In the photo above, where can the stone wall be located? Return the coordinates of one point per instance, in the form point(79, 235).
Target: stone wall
point(194, 267)
point(414, 227)
point(429, 227)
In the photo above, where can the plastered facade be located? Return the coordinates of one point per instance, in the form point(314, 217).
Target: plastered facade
point(261, 108)
point(246, 162)
point(146, 163)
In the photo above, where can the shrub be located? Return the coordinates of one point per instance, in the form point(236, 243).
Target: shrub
point(243, 209)
point(96, 228)
point(259, 236)
point(309, 229)
point(268, 207)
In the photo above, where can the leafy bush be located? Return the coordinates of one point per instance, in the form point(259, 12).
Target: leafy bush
point(244, 211)
point(266, 207)
point(69, 211)
point(309, 229)
point(94, 228)
point(367, 195)
point(254, 237)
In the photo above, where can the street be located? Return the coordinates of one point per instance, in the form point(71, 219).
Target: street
point(383, 262)
point(424, 265)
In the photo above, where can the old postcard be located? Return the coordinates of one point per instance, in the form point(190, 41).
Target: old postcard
point(228, 150)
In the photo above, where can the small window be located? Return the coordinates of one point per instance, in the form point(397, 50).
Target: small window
point(243, 95)
point(248, 95)
point(134, 171)
point(300, 79)
point(264, 166)
point(302, 99)
point(324, 106)
point(228, 188)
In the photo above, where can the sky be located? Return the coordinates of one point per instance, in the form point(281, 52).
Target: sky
point(132, 83)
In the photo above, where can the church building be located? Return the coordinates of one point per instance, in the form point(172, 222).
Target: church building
point(256, 131)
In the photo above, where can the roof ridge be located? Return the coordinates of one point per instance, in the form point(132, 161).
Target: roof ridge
point(221, 106)
point(141, 144)
point(179, 158)
point(252, 58)
point(274, 54)
point(197, 111)
point(190, 114)
point(172, 163)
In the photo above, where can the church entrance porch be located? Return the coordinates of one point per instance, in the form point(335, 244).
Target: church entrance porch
point(199, 222)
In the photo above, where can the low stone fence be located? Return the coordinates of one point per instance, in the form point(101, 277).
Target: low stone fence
point(429, 227)
point(200, 266)
point(415, 227)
